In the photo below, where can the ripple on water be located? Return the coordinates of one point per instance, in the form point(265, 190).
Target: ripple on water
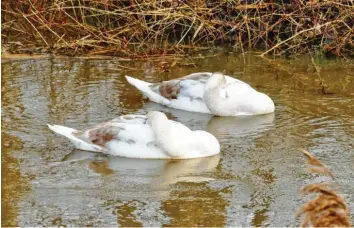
point(255, 181)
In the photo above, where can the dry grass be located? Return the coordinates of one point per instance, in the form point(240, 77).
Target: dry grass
point(328, 209)
point(140, 29)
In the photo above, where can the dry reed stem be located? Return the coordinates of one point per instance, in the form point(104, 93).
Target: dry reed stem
point(319, 167)
point(145, 28)
point(328, 209)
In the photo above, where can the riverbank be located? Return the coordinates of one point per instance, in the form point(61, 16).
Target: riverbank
point(158, 28)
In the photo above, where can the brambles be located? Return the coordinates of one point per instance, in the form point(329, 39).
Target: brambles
point(141, 29)
point(328, 209)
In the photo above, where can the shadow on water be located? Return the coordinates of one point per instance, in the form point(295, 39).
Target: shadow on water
point(255, 181)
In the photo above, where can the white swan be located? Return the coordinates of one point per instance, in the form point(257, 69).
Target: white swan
point(206, 92)
point(140, 136)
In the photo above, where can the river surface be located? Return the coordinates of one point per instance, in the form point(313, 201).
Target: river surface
point(255, 181)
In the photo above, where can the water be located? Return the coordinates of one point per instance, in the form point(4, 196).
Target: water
point(255, 181)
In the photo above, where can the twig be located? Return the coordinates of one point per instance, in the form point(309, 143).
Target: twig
point(36, 30)
point(294, 36)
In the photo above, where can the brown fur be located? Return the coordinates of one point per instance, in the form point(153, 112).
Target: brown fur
point(328, 209)
point(104, 132)
point(99, 135)
point(169, 89)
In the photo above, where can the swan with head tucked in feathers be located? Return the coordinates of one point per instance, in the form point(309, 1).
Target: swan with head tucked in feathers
point(140, 136)
point(212, 93)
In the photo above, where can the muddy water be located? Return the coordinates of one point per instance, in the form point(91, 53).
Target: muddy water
point(255, 181)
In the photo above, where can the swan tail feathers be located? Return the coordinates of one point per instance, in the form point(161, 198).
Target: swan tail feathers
point(65, 131)
point(78, 143)
point(137, 83)
point(144, 87)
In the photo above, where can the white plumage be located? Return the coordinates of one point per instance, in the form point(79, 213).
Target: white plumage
point(140, 136)
point(206, 92)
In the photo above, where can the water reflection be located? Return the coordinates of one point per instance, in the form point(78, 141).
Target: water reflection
point(125, 215)
point(191, 119)
point(191, 170)
point(196, 206)
point(160, 172)
point(253, 182)
point(230, 127)
point(100, 167)
point(221, 127)
point(13, 183)
point(262, 197)
point(160, 176)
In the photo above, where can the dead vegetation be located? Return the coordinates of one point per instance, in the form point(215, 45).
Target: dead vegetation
point(140, 29)
point(328, 209)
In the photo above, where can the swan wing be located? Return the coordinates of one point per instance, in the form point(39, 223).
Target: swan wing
point(192, 85)
point(184, 93)
point(131, 129)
